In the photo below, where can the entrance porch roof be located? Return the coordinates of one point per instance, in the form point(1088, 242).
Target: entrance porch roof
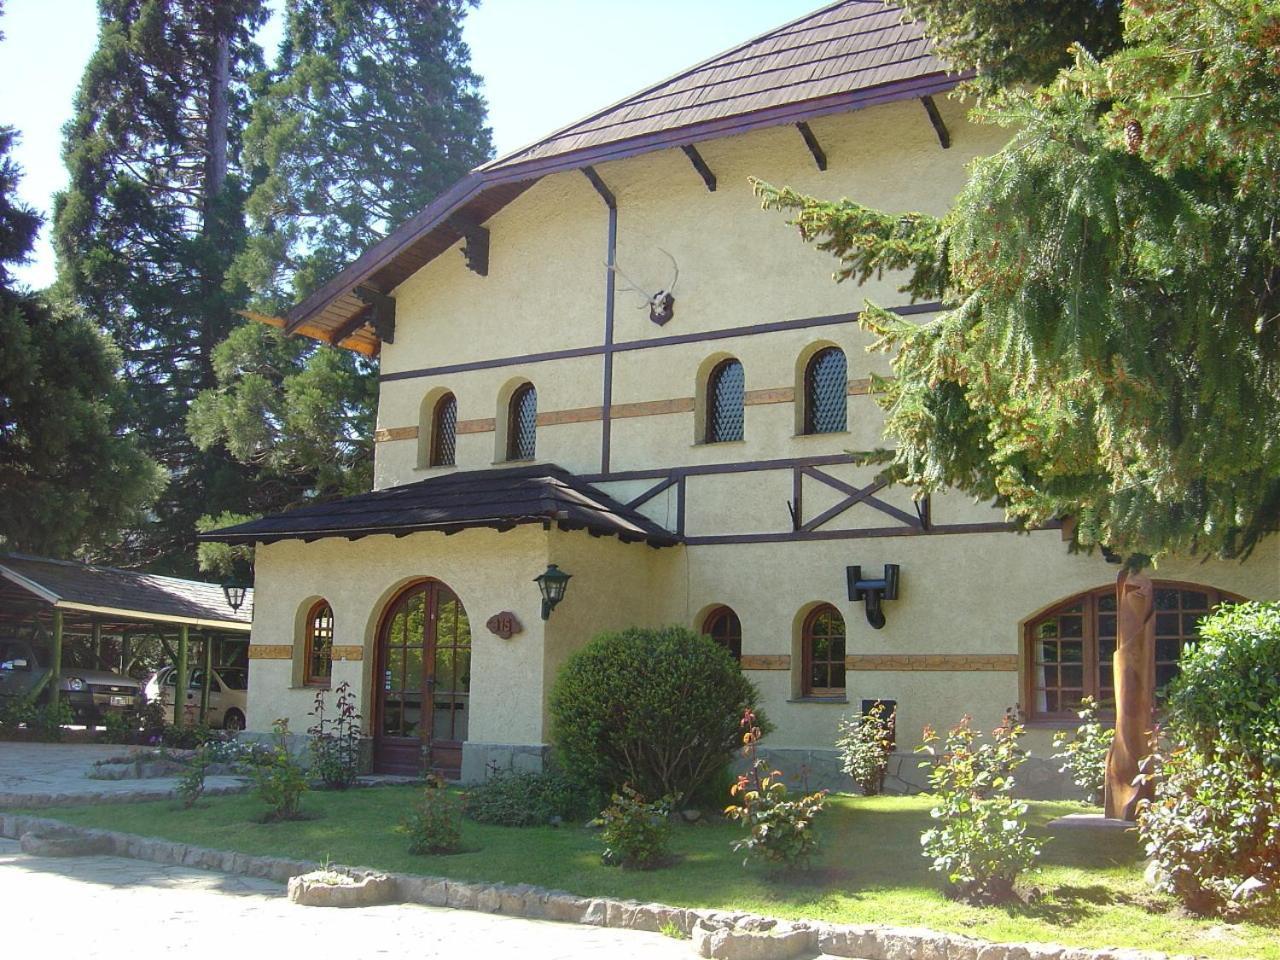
point(499, 499)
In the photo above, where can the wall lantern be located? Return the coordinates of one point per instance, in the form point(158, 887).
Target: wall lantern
point(552, 583)
point(872, 592)
point(234, 593)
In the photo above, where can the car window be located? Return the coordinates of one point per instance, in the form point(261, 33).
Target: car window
point(236, 678)
point(13, 656)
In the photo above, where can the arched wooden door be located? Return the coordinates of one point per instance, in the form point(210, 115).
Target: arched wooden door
point(423, 682)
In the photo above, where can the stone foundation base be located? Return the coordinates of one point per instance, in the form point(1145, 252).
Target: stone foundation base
point(480, 761)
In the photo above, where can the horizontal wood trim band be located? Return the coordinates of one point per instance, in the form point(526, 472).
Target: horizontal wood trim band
point(483, 425)
point(651, 408)
point(771, 395)
point(348, 652)
point(766, 661)
point(860, 387)
point(270, 651)
point(953, 662)
point(578, 415)
point(388, 434)
point(870, 532)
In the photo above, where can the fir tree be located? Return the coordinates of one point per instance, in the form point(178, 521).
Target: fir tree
point(150, 223)
point(372, 111)
point(1109, 347)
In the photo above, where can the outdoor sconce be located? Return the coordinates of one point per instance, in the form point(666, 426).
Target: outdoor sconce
point(552, 583)
point(873, 591)
point(234, 592)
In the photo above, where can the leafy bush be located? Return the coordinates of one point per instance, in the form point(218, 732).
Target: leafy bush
point(435, 824)
point(523, 799)
point(47, 721)
point(1213, 827)
point(119, 727)
point(657, 709)
point(865, 744)
point(335, 741)
point(191, 783)
point(186, 737)
point(981, 843)
point(280, 779)
point(1084, 752)
point(636, 833)
point(779, 828)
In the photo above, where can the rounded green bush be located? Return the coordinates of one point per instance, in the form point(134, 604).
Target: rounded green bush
point(658, 709)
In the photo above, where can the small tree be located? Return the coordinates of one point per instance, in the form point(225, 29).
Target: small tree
point(981, 843)
point(656, 709)
point(865, 744)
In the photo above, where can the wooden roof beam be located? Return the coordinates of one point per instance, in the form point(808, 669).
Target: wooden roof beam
point(350, 326)
point(700, 165)
point(939, 127)
point(815, 148)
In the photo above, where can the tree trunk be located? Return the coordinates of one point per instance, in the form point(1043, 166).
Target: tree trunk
point(1134, 665)
point(216, 160)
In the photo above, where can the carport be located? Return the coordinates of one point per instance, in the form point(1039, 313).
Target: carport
point(52, 602)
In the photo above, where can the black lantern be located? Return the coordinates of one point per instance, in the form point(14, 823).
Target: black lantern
point(872, 592)
point(552, 583)
point(234, 593)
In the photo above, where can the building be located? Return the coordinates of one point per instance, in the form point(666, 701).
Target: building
point(674, 434)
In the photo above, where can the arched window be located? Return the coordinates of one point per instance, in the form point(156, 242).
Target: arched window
point(722, 626)
point(826, 386)
point(1070, 648)
point(725, 388)
point(823, 638)
point(444, 432)
point(522, 423)
point(317, 663)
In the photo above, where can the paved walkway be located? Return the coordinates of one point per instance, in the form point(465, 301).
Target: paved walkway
point(36, 774)
point(95, 908)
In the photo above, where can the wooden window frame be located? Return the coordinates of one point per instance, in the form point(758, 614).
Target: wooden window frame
point(713, 617)
point(808, 421)
point(714, 382)
point(436, 458)
point(308, 678)
point(1090, 646)
point(513, 429)
point(807, 689)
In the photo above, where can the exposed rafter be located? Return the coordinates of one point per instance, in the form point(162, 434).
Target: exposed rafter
point(601, 187)
point(810, 141)
point(700, 165)
point(357, 321)
point(931, 108)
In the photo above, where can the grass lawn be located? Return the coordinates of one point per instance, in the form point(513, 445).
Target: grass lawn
point(870, 869)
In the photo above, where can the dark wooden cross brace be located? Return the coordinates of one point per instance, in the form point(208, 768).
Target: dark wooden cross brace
point(939, 127)
point(855, 495)
point(810, 141)
point(653, 491)
point(700, 165)
point(348, 327)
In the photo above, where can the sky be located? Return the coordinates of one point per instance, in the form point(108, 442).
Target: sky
point(545, 63)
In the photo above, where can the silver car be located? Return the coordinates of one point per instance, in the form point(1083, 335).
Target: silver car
point(228, 691)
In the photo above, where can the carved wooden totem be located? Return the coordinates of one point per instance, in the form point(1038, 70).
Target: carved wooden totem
point(1135, 694)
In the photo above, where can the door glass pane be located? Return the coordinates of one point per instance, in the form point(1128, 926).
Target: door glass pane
point(395, 669)
point(412, 716)
point(413, 668)
point(391, 717)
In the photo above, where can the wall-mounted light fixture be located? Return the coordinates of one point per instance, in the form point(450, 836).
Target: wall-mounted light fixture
point(872, 592)
point(551, 582)
point(234, 592)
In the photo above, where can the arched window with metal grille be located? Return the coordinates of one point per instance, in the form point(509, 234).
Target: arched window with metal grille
point(522, 423)
point(723, 626)
point(725, 394)
point(444, 432)
point(826, 387)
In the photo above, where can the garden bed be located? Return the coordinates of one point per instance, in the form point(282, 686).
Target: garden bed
point(869, 871)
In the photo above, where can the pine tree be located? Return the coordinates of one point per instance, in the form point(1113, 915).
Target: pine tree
point(70, 479)
point(150, 222)
point(373, 110)
point(1109, 347)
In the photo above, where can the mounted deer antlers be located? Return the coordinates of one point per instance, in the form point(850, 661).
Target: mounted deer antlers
point(661, 304)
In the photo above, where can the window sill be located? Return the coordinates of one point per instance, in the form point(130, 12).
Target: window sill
point(719, 443)
point(513, 463)
point(818, 700)
point(810, 436)
point(436, 468)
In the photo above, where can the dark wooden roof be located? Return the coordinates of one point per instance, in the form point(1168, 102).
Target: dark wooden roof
point(499, 499)
point(123, 594)
point(847, 55)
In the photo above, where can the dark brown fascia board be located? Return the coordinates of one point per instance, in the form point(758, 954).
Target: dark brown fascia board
point(474, 183)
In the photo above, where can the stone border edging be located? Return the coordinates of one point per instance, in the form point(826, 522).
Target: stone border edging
point(28, 800)
point(865, 942)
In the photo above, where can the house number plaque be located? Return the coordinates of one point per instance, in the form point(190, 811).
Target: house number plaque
point(504, 625)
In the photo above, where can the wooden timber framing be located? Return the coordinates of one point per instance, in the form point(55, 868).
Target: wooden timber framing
point(700, 165)
point(935, 118)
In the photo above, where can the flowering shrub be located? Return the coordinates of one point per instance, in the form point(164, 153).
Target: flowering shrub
point(1213, 827)
point(636, 833)
point(280, 779)
point(335, 741)
point(435, 825)
point(865, 744)
point(981, 842)
point(1084, 752)
point(779, 827)
point(191, 783)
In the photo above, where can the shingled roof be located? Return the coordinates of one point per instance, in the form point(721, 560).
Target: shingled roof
point(847, 55)
point(498, 499)
point(124, 593)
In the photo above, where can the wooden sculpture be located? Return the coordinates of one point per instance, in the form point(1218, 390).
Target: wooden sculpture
point(1135, 694)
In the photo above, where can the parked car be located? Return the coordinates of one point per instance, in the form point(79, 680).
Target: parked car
point(91, 694)
point(228, 691)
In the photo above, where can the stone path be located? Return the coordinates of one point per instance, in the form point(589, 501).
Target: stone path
point(95, 908)
point(38, 774)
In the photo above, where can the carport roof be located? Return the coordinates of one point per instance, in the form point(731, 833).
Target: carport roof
point(499, 499)
point(123, 594)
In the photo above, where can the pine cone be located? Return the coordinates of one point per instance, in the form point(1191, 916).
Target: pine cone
point(1133, 136)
